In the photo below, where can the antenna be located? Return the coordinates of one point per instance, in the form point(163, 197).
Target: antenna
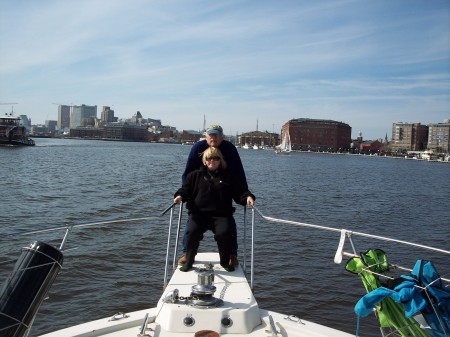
point(12, 107)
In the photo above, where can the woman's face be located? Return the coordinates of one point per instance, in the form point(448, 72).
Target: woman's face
point(213, 163)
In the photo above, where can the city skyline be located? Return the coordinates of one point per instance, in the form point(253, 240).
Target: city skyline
point(388, 135)
point(367, 64)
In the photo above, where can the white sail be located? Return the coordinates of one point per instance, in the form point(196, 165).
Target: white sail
point(285, 146)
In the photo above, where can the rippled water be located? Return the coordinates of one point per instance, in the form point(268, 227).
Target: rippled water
point(119, 267)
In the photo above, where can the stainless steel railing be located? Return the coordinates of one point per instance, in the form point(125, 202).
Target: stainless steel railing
point(174, 261)
point(68, 228)
point(348, 235)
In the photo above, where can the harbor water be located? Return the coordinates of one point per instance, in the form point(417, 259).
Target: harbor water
point(119, 267)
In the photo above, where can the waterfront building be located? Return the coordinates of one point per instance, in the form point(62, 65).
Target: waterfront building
point(190, 136)
point(438, 137)
point(39, 130)
point(371, 147)
point(409, 136)
point(113, 131)
point(355, 145)
point(259, 138)
point(82, 115)
point(317, 134)
point(63, 117)
point(87, 132)
point(130, 132)
point(51, 126)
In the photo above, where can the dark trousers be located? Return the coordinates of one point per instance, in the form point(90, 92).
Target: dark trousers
point(199, 223)
point(233, 242)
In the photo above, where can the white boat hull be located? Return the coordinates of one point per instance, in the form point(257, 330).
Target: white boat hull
point(234, 302)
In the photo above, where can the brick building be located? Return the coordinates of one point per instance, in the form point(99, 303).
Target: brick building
point(438, 137)
point(258, 138)
point(370, 147)
point(190, 136)
point(318, 134)
point(116, 131)
point(409, 136)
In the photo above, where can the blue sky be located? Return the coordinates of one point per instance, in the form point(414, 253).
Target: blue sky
point(238, 63)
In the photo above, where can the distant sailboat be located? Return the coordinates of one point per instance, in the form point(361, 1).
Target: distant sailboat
point(285, 146)
point(202, 137)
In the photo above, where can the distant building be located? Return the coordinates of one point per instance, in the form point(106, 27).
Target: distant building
point(167, 134)
point(259, 138)
point(137, 118)
point(438, 137)
point(87, 132)
point(107, 115)
point(370, 147)
point(39, 130)
point(318, 134)
point(26, 122)
point(83, 115)
point(154, 125)
point(190, 136)
point(51, 126)
point(115, 131)
point(130, 132)
point(63, 116)
point(409, 136)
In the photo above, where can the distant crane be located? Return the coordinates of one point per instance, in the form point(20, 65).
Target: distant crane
point(71, 105)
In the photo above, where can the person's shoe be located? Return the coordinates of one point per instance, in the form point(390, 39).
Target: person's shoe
point(185, 267)
point(182, 260)
point(228, 268)
point(233, 260)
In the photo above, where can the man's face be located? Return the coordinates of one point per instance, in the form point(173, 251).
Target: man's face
point(214, 140)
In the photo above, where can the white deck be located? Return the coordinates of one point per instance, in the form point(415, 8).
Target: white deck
point(239, 305)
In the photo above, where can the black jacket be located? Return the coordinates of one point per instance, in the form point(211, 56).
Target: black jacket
point(212, 192)
point(229, 153)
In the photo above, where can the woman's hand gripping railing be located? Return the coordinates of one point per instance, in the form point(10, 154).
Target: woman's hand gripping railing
point(180, 213)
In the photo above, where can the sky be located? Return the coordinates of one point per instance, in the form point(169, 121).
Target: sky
point(246, 65)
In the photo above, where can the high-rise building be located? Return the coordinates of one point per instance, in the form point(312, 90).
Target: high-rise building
point(137, 118)
point(51, 125)
point(438, 137)
point(409, 136)
point(63, 116)
point(26, 122)
point(107, 115)
point(83, 115)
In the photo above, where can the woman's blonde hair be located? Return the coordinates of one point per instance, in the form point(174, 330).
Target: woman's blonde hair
point(213, 152)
